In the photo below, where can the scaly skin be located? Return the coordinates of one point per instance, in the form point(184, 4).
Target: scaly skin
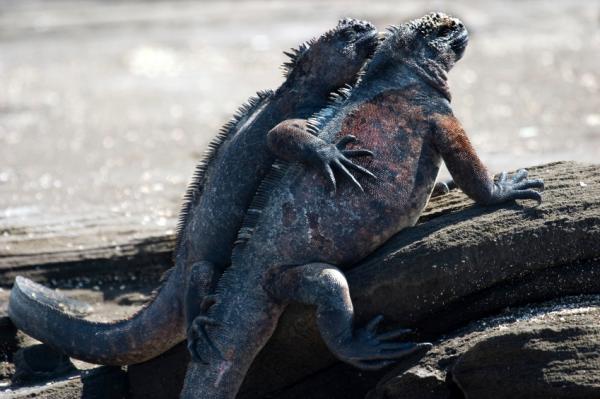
point(299, 230)
point(213, 212)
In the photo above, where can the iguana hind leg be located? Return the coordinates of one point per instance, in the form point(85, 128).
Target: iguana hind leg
point(325, 286)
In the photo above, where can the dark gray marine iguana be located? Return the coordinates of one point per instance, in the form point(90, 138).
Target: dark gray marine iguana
point(215, 204)
point(297, 231)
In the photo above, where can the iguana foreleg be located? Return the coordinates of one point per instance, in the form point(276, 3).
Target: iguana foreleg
point(470, 174)
point(325, 286)
point(293, 141)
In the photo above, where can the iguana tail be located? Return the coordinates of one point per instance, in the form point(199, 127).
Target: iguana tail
point(40, 313)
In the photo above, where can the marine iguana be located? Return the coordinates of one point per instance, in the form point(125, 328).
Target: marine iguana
point(297, 233)
point(213, 211)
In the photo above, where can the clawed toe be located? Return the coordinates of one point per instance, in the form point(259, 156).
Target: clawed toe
point(344, 141)
point(518, 187)
point(197, 335)
point(534, 183)
point(336, 157)
point(369, 350)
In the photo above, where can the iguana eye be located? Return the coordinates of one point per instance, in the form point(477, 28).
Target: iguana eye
point(350, 34)
point(444, 30)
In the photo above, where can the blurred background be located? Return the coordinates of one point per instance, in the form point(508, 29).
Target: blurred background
point(106, 106)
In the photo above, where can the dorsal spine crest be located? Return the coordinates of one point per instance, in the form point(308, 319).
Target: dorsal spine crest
point(196, 185)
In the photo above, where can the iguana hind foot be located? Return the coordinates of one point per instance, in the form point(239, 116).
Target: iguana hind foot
point(198, 337)
point(325, 286)
point(370, 350)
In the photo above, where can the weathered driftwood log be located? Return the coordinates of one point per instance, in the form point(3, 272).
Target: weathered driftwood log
point(460, 263)
point(103, 382)
point(89, 245)
point(545, 351)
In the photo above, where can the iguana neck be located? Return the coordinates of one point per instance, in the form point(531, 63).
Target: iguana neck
point(432, 73)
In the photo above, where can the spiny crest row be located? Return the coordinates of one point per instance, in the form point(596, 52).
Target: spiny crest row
point(295, 54)
point(316, 122)
point(195, 186)
point(259, 202)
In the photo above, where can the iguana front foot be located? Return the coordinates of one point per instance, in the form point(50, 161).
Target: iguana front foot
point(518, 187)
point(369, 350)
point(330, 157)
point(292, 140)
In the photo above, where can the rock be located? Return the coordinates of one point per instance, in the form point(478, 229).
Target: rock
point(99, 383)
point(39, 363)
point(550, 350)
point(460, 263)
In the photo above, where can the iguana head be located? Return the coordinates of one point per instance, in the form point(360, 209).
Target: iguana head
point(333, 59)
point(435, 38)
point(429, 46)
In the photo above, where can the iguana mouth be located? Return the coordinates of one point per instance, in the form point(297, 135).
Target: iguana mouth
point(459, 43)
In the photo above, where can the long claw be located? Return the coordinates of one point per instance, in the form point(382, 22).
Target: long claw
point(534, 183)
point(391, 353)
point(520, 175)
point(373, 324)
point(374, 365)
point(191, 345)
point(527, 194)
point(357, 153)
point(359, 168)
point(330, 178)
point(349, 175)
point(198, 332)
point(344, 141)
point(387, 336)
